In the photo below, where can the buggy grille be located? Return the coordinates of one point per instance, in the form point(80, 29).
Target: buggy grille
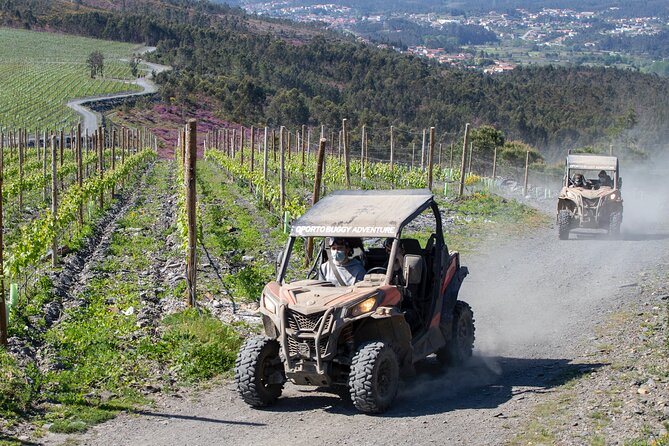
point(303, 322)
point(302, 336)
point(591, 202)
point(295, 350)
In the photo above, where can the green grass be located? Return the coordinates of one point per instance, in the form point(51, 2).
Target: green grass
point(233, 231)
point(40, 72)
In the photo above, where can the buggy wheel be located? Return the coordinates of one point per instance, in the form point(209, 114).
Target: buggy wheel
point(563, 221)
point(614, 224)
point(461, 343)
point(259, 373)
point(374, 377)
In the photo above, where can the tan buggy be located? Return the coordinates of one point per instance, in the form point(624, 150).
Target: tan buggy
point(590, 196)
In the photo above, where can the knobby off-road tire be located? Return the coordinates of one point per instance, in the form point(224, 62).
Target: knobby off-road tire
point(259, 372)
point(459, 348)
point(374, 377)
point(614, 224)
point(563, 221)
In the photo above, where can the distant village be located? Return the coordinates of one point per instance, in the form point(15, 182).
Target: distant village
point(547, 28)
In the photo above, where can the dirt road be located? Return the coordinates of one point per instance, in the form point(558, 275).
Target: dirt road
point(536, 300)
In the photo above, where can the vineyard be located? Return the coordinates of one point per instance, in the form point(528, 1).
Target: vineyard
point(100, 260)
point(41, 71)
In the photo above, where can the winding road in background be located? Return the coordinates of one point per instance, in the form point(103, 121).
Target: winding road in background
point(90, 119)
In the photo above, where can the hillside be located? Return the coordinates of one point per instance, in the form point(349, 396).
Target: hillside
point(285, 76)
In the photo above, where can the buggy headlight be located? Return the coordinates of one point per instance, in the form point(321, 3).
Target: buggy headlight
point(363, 307)
point(614, 196)
point(269, 303)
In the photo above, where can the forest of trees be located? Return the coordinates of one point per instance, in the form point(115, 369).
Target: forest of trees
point(261, 78)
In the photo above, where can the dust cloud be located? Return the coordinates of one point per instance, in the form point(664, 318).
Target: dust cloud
point(538, 299)
point(645, 193)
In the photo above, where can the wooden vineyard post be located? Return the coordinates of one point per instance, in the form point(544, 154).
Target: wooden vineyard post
point(44, 169)
point(315, 197)
point(461, 187)
point(303, 148)
point(308, 143)
point(282, 173)
point(241, 145)
point(422, 154)
point(274, 145)
point(253, 145)
point(80, 171)
point(228, 143)
point(347, 169)
point(323, 185)
point(450, 165)
point(494, 165)
point(233, 143)
point(44, 144)
point(113, 159)
point(471, 153)
point(191, 205)
point(392, 148)
point(54, 200)
point(88, 142)
point(430, 159)
point(264, 165)
point(339, 146)
point(527, 167)
point(37, 146)
point(3, 307)
point(101, 166)
point(362, 153)
point(124, 143)
point(366, 147)
point(20, 173)
point(62, 145)
point(182, 146)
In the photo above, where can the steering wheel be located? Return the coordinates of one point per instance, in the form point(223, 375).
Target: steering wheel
point(377, 269)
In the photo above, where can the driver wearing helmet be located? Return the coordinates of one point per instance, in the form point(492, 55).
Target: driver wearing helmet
point(341, 269)
point(578, 180)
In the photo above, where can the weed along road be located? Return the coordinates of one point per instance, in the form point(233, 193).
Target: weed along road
point(537, 302)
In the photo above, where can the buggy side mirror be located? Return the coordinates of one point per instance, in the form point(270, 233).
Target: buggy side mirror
point(620, 182)
point(413, 269)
